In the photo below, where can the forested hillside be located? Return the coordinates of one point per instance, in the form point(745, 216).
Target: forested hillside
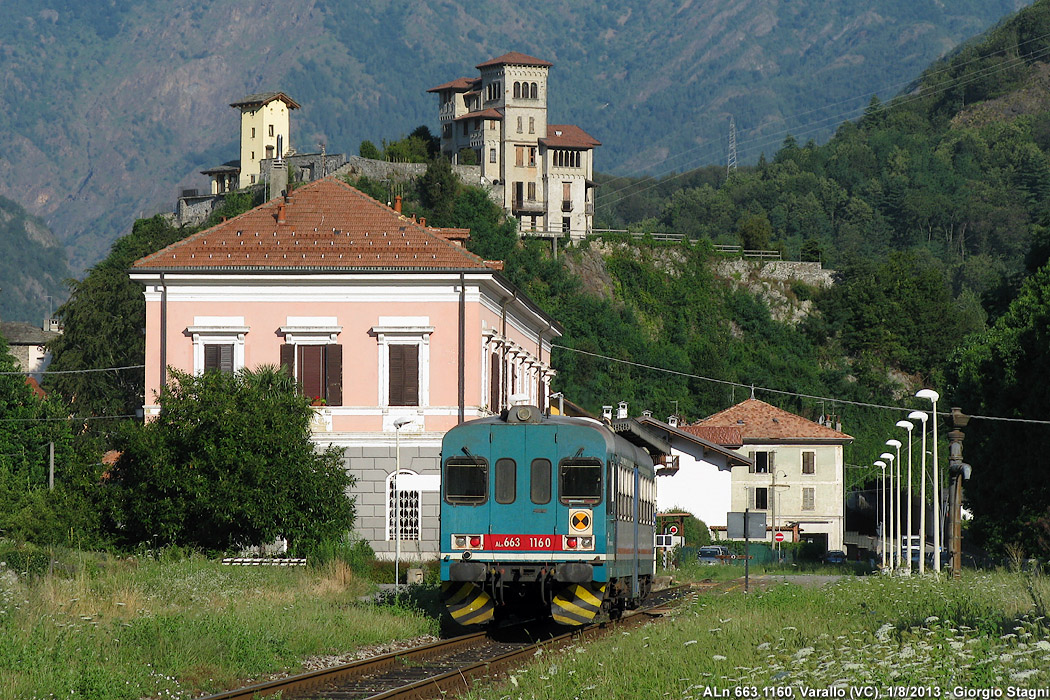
point(109, 107)
point(32, 266)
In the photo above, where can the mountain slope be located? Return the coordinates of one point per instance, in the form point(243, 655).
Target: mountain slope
point(32, 265)
point(111, 106)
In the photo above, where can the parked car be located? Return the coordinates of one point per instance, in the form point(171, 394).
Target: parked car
point(712, 554)
point(835, 556)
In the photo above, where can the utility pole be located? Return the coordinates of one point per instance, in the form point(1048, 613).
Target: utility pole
point(957, 472)
point(731, 161)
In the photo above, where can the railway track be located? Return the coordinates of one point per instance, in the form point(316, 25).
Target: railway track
point(447, 666)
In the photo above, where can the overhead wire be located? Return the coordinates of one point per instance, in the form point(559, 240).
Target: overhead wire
point(76, 371)
point(754, 387)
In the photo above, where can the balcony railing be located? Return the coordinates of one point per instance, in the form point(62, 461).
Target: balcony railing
point(527, 205)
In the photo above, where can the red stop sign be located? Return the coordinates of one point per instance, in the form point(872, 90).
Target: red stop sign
point(779, 537)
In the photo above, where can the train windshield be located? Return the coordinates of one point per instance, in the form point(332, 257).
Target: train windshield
point(580, 480)
point(466, 480)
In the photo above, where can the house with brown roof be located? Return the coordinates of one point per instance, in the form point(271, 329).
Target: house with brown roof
point(542, 172)
point(396, 330)
point(796, 471)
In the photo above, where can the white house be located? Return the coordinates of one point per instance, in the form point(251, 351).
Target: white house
point(795, 471)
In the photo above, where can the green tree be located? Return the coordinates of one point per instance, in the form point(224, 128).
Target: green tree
point(29, 425)
point(229, 463)
point(755, 232)
point(369, 150)
point(438, 188)
point(1001, 373)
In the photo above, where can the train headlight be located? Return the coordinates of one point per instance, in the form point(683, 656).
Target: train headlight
point(587, 543)
point(460, 542)
point(570, 542)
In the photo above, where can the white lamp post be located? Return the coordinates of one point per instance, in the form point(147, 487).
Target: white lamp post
point(909, 426)
point(893, 533)
point(933, 396)
point(922, 416)
point(897, 515)
point(398, 424)
point(882, 485)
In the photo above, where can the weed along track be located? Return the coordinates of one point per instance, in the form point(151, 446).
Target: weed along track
point(447, 666)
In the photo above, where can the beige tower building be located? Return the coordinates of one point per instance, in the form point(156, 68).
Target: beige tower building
point(543, 171)
point(265, 131)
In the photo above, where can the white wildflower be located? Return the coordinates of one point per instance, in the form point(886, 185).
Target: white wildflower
point(690, 642)
point(1023, 675)
point(718, 657)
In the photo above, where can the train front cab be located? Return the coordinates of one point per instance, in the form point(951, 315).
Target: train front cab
point(526, 523)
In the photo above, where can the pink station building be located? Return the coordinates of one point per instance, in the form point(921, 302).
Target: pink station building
point(397, 331)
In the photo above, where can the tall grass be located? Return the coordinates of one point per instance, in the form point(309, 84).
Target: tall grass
point(983, 631)
point(100, 627)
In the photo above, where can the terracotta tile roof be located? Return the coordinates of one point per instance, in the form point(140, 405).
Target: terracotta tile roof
point(568, 136)
point(35, 386)
point(759, 421)
point(515, 59)
point(458, 85)
point(325, 224)
point(489, 113)
point(262, 98)
point(720, 435)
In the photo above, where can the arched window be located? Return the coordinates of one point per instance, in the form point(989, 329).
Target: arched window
point(535, 91)
point(517, 89)
point(402, 518)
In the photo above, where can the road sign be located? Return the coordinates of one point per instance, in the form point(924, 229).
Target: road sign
point(779, 537)
point(672, 530)
point(756, 525)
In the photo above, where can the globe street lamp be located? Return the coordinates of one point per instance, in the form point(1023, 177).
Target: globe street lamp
point(922, 416)
point(889, 457)
point(882, 486)
point(933, 396)
point(909, 426)
point(897, 542)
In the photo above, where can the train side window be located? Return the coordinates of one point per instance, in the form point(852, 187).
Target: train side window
point(580, 480)
point(506, 480)
point(466, 480)
point(540, 481)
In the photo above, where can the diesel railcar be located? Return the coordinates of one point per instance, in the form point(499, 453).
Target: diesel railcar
point(543, 513)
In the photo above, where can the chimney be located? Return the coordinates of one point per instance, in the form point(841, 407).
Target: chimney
point(647, 414)
point(672, 421)
point(621, 410)
point(607, 413)
point(280, 213)
point(397, 204)
point(422, 221)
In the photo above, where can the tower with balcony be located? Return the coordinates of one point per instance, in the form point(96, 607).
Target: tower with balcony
point(543, 173)
point(265, 131)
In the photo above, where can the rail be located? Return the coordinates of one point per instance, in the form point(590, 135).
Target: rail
point(434, 670)
point(665, 236)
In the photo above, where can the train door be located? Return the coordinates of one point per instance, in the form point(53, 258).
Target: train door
point(521, 514)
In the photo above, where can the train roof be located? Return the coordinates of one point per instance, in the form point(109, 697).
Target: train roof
point(626, 435)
